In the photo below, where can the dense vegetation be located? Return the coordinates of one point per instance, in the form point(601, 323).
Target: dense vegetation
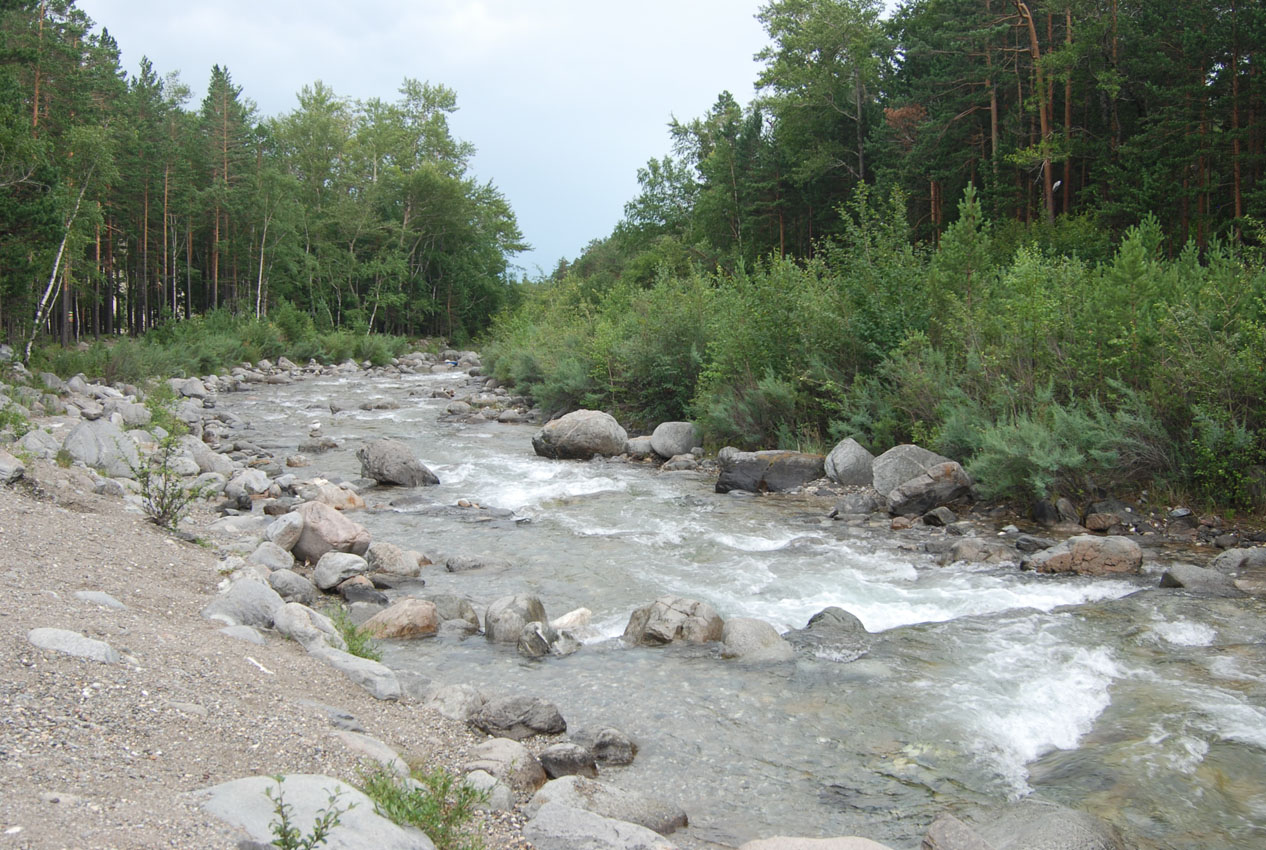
point(1089, 315)
point(121, 207)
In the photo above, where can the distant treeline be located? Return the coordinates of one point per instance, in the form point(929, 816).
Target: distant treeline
point(1027, 235)
point(121, 206)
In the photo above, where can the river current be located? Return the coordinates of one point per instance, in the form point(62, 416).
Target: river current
point(984, 684)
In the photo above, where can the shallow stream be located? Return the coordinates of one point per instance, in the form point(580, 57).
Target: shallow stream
point(1145, 707)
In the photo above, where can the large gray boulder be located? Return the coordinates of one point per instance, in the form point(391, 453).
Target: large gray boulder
point(753, 640)
point(670, 439)
point(518, 718)
point(939, 485)
point(375, 677)
point(101, 445)
point(580, 435)
point(293, 587)
point(850, 464)
point(672, 618)
point(306, 627)
point(901, 463)
point(506, 617)
point(392, 462)
point(1028, 825)
point(334, 568)
point(766, 471)
point(244, 803)
point(246, 602)
point(1233, 561)
point(579, 792)
point(11, 469)
point(325, 529)
point(1200, 580)
point(509, 761)
point(834, 634)
point(561, 827)
point(1087, 554)
point(608, 745)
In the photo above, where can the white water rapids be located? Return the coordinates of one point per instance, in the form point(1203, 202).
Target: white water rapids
point(983, 684)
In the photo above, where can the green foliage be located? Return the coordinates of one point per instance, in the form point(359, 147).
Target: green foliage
point(289, 836)
point(14, 421)
point(359, 642)
point(1225, 461)
point(165, 496)
point(441, 804)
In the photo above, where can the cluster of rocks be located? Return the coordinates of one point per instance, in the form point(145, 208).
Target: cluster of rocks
point(586, 434)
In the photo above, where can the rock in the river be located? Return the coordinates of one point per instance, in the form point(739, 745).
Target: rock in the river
point(609, 745)
point(671, 618)
point(336, 567)
point(1028, 825)
point(506, 617)
point(670, 439)
point(457, 702)
point(766, 471)
point(580, 435)
point(510, 762)
point(568, 759)
point(390, 558)
point(833, 633)
point(408, 618)
point(101, 445)
point(392, 462)
point(939, 484)
point(244, 804)
point(901, 463)
point(560, 827)
point(1087, 554)
point(1232, 561)
point(611, 802)
point(753, 640)
point(518, 717)
point(325, 529)
point(850, 464)
point(1200, 580)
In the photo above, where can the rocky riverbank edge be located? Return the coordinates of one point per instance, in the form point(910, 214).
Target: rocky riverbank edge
point(289, 539)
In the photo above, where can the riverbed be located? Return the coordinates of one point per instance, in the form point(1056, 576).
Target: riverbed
point(984, 684)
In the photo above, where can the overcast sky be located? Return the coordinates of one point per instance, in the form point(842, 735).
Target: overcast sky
point(564, 99)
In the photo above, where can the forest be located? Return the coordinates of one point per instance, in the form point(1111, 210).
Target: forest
point(124, 205)
point(1028, 235)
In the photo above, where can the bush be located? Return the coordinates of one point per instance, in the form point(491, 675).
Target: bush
point(441, 805)
point(359, 642)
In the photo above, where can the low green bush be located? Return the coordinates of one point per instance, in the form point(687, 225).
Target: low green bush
point(439, 804)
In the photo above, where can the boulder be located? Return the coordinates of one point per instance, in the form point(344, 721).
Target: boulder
point(568, 759)
point(942, 483)
point(101, 445)
point(832, 633)
point(1087, 554)
point(860, 504)
point(670, 439)
point(1200, 580)
point(270, 555)
point(580, 435)
point(560, 827)
point(766, 471)
point(408, 618)
point(293, 587)
point(672, 618)
point(334, 568)
point(246, 602)
point(285, 530)
point(497, 795)
point(325, 530)
point(390, 558)
point(610, 802)
point(378, 679)
point(457, 702)
point(11, 469)
point(850, 464)
point(781, 842)
point(518, 717)
point(510, 762)
point(359, 589)
point(39, 443)
point(73, 643)
point(506, 617)
point(245, 804)
point(901, 463)
point(639, 448)
point(392, 462)
point(609, 745)
point(753, 640)
point(979, 550)
point(1233, 561)
point(306, 626)
point(1037, 825)
point(341, 497)
point(451, 607)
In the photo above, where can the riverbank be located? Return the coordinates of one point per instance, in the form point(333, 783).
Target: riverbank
point(107, 755)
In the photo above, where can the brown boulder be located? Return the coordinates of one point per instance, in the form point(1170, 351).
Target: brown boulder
point(408, 618)
point(327, 530)
point(1087, 554)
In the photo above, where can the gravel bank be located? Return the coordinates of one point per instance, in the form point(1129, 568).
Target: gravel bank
point(95, 755)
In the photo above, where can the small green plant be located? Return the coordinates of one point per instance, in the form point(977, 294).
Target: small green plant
point(359, 642)
point(63, 459)
point(11, 419)
point(289, 836)
point(438, 803)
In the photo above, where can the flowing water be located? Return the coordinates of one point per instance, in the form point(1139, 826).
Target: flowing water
point(983, 684)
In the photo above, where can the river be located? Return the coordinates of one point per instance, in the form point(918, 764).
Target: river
point(984, 684)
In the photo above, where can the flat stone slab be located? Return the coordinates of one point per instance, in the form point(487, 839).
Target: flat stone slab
point(73, 643)
point(244, 804)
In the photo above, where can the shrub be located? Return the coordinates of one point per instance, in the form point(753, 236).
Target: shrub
point(359, 642)
point(289, 836)
point(441, 805)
